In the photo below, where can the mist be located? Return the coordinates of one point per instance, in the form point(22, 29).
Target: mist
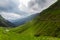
point(13, 10)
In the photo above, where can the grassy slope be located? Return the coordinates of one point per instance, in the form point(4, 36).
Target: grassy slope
point(47, 23)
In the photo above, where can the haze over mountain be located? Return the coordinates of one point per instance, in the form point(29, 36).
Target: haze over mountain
point(14, 10)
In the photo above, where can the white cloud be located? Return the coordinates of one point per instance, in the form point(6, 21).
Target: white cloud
point(35, 6)
point(3, 2)
point(11, 16)
point(12, 9)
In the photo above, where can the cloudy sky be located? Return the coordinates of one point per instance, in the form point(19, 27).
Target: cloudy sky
point(17, 9)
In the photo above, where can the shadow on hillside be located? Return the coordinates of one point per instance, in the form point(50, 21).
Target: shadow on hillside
point(1, 25)
point(52, 34)
point(52, 30)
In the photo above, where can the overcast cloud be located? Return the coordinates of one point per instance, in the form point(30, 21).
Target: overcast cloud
point(17, 9)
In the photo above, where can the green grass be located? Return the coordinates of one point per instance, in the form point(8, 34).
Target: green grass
point(46, 26)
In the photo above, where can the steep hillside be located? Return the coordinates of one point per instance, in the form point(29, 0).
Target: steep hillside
point(46, 26)
point(47, 23)
point(5, 23)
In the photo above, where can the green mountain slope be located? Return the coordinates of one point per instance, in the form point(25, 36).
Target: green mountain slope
point(46, 26)
point(5, 23)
